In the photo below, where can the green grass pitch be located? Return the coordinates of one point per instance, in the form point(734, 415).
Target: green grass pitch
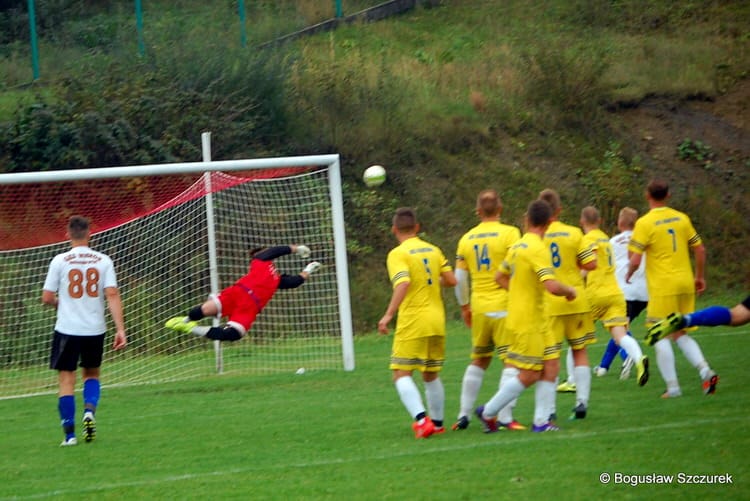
point(337, 435)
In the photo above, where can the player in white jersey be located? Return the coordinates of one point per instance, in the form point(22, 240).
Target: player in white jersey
point(636, 292)
point(78, 282)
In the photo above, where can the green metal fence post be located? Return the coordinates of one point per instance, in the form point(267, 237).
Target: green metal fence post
point(139, 27)
point(339, 9)
point(243, 32)
point(34, 48)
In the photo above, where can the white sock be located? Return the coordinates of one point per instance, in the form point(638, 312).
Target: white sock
point(510, 390)
point(506, 413)
point(472, 382)
point(570, 366)
point(545, 394)
point(435, 395)
point(630, 345)
point(694, 355)
point(409, 394)
point(665, 361)
point(583, 384)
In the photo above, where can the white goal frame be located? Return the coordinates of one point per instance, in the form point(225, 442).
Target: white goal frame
point(329, 161)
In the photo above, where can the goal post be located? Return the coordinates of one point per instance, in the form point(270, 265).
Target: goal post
point(178, 232)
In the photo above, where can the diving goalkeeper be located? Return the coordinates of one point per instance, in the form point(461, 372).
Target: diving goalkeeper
point(242, 302)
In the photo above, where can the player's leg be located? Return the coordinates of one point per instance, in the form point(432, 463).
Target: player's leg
point(433, 385)
point(92, 350)
point(580, 332)
point(620, 336)
point(608, 357)
point(406, 357)
point(741, 313)
point(545, 405)
point(691, 349)
point(482, 350)
point(212, 307)
point(569, 385)
point(64, 356)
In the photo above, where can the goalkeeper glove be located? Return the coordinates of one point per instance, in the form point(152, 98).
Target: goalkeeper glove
point(311, 267)
point(303, 251)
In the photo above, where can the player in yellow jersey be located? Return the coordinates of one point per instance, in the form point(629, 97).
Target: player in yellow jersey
point(417, 270)
point(478, 256)
point(604, 294)
point(667, 236)
point(571, 320)
point(529, 277)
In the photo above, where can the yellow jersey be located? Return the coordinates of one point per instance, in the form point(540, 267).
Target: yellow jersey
point(666, 235)
point(566, 248)
point(421, 313)
point(602, 281)
point(480, 252)
point(528, 266)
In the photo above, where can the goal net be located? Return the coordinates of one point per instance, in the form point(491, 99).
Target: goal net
point(177, 233)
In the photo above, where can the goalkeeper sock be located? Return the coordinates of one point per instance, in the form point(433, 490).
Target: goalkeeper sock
point(223, 334)
point(66, 405)
point(196, 313)
point(91, 393)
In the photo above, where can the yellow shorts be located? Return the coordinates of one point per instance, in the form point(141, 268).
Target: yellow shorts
point(486, 335)
point(610, 310)
point(529, 350)
point(660, 306)
point(577, 328)
point(424, 354)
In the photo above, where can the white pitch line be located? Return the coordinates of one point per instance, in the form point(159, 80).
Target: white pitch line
point(508, 438)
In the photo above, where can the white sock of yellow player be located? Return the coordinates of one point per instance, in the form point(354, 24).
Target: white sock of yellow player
point(665, 361)
point(630, 345)
point(570, 366)
point(506, 413)
point(510, 391)
point(694, 355)
point(472, 382)
point(545, 394)
point(410, 396)
point(582, 374)
point(435, 395)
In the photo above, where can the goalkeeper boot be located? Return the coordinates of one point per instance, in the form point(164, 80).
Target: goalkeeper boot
point(673, 323)
point(181, 324)
point(89, 426)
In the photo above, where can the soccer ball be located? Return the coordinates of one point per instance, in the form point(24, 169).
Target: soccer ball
point(374, 176)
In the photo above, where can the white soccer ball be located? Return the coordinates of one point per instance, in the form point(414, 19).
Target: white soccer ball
point(300, 371)
point(374, 176)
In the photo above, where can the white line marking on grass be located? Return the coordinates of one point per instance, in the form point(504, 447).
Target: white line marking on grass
point(508, 437)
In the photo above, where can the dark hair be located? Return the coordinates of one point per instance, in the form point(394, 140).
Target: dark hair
point(539, 213)
point(658, 189)
point(78, 227)
point(489, 203)
point(405, 219)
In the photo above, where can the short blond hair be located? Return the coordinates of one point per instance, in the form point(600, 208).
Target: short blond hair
point(627, 218)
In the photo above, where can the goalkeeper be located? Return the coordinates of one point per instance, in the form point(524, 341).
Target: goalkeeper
point(243, 301)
